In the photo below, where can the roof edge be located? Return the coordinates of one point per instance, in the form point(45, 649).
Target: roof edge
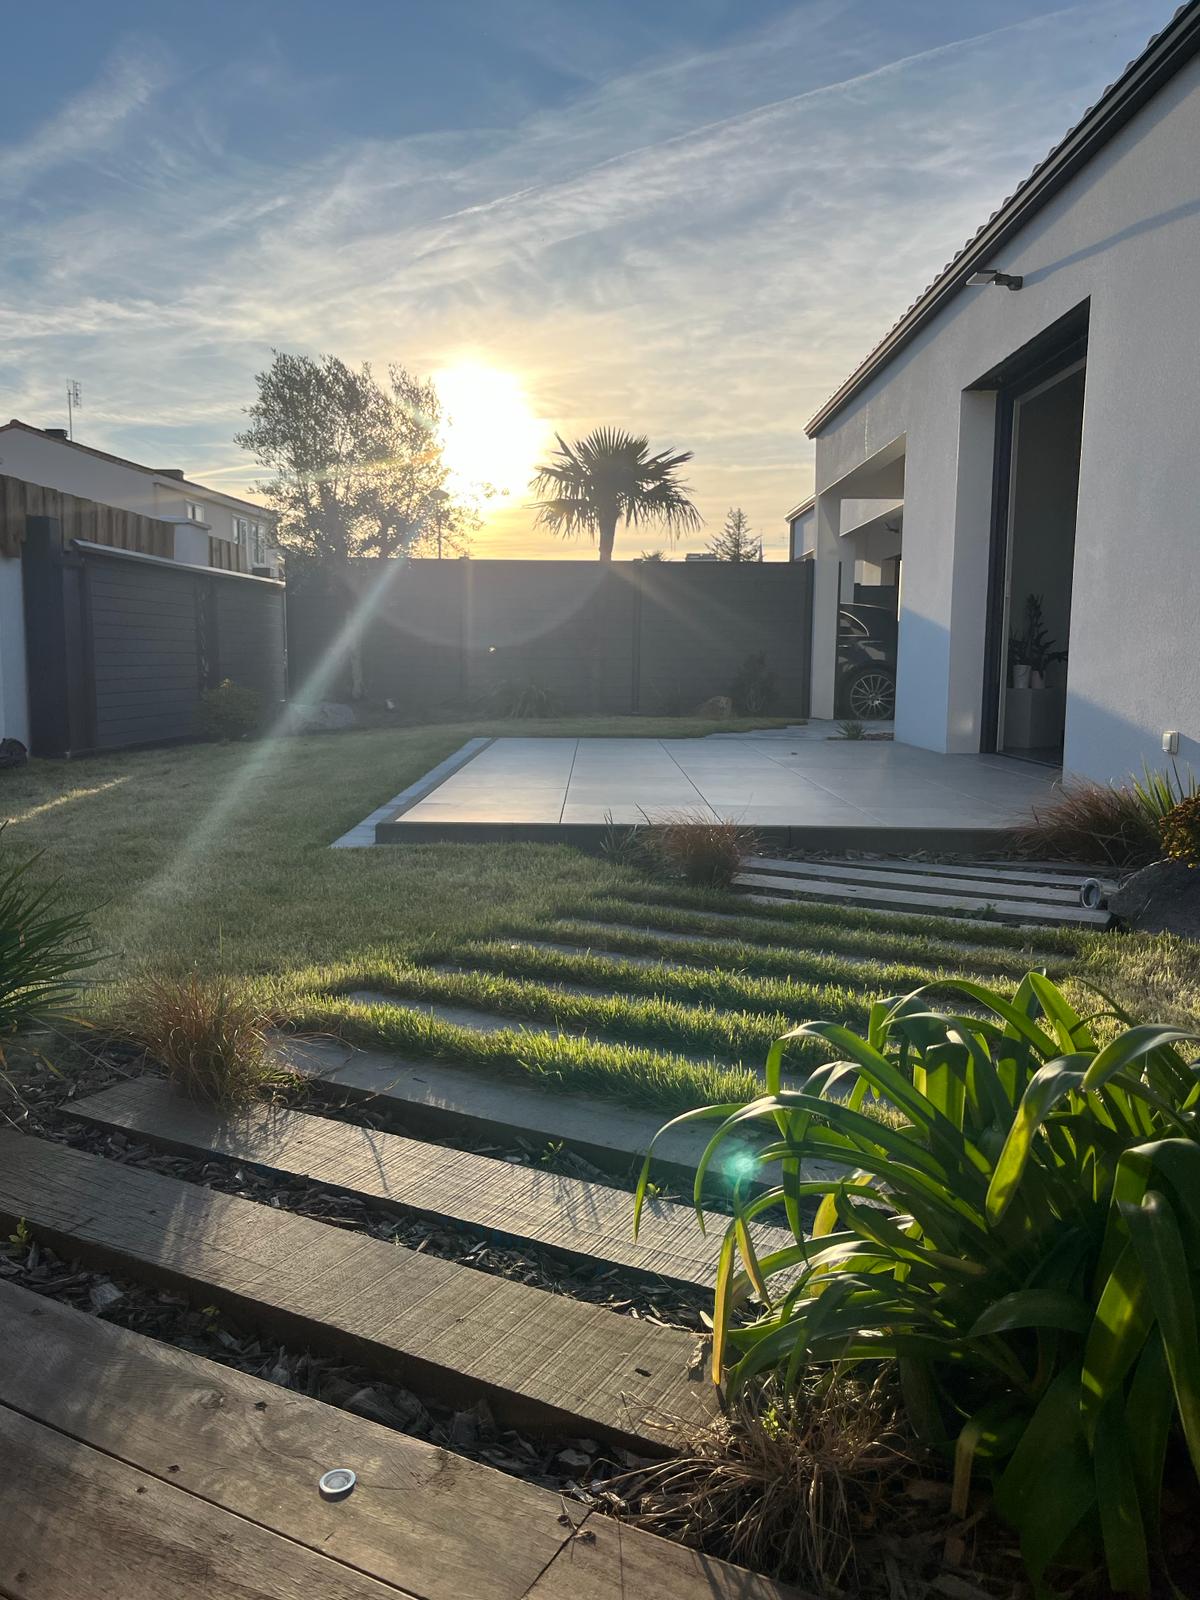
point(137, 466)
point(1168, 51)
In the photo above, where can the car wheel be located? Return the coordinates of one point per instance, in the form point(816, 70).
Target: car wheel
point(871, 695)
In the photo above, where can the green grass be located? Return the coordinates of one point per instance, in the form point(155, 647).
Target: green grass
point(650, 1017)
point(214, 860)
point(635, 1074)
point(826, 964)
point(834, 985)
point(668, 899)
point(848, 934)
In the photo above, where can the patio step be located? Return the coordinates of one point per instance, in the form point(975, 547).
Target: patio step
point(237, 1458)
point(910, 889)
point(541, 1361)
point(585, 1221)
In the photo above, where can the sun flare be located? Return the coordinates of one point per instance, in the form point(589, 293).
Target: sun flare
point(490, 436)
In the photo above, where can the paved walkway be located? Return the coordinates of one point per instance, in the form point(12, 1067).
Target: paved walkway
point(765, 781)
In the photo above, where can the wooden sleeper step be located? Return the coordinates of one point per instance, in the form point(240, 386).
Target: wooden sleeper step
point(224, 1465)
point(586, 1221)
point(934, 903)
point(542, 1361)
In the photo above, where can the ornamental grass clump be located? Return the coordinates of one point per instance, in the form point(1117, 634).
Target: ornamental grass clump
point(44, 949)
point(705, 851)
point(1101, 823)
point(210, 1038)
point(1022, 1245)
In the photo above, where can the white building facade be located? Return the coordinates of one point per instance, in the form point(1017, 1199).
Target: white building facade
point(1038, 440)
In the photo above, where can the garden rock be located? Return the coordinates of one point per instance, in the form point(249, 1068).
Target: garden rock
point(325, 716)
point(716, 708)
point(1161, 898)
point(12, 754)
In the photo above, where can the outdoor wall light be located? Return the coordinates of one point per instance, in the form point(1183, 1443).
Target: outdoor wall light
point(1002, 280)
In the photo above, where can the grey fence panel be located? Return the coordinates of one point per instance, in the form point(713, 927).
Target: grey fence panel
point(628, 637)
point(121, 646)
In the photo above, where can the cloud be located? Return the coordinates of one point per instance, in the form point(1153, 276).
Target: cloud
point(701, 248)
point(90, 121)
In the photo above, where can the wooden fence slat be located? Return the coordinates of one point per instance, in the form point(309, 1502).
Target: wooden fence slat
point(589, 1221)
point(541, 1360)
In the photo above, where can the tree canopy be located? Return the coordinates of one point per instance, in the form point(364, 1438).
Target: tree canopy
point(356, 465)
point(610, 476)
point(735, 542)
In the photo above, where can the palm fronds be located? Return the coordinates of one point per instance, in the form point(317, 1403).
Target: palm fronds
point(611, 476)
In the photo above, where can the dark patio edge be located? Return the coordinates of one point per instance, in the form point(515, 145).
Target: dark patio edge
point(590, 836)
point(366, 832)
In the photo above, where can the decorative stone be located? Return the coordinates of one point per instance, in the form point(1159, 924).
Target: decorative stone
point(324, 716)
point(1161, 898)
point(716, 709)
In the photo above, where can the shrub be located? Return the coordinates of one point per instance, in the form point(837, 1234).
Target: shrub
point(210, 1037)
point(229, 712)
point(1024, 1245)
point(1114, 823)
point(524, 701)
point(753, 688)
point(1180, 831)
point(706, 853)
point(44, 950)
point(852, 729)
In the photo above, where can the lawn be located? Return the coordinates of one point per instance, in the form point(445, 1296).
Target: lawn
point(215, 859)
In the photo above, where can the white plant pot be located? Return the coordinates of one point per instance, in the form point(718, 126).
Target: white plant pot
point(1021, 675)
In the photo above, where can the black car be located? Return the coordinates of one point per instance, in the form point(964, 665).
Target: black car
point(866, 663)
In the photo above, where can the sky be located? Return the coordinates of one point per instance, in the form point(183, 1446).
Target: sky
point(689, 218)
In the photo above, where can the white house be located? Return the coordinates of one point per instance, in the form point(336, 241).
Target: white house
point(1031, 427)
point(212, 528)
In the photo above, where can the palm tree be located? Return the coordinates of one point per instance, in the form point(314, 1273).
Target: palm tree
point(609, 477)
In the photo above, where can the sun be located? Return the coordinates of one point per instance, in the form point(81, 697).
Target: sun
point(491, 439)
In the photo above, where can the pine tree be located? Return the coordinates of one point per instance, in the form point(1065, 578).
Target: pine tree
point(735, 542)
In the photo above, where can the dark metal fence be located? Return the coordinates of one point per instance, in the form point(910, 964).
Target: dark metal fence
point(120, 645)
point(631, 637)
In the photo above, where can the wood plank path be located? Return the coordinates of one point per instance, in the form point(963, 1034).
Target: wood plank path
point(907, 887)
point(586, 1221)
point(541, 1360)
point(135, 1471)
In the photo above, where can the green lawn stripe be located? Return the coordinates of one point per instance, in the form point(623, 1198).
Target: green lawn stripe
point(762, 969)
point(725, 1032)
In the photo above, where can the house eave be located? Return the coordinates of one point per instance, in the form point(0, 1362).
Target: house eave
point(1167, 53)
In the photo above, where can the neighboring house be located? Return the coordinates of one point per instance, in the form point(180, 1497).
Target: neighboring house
point(1039, 435)
point(212, 528)
point(125, 592)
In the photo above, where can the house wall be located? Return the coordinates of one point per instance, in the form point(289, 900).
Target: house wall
point(14, 709)
point(55, 465)
point(1121, 235)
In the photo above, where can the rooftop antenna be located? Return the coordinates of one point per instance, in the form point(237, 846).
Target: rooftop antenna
point(74, 402)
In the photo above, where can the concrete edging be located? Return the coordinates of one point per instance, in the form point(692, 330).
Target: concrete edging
point(364, 834)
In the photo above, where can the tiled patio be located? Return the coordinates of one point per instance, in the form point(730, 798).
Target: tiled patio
point(820, 790)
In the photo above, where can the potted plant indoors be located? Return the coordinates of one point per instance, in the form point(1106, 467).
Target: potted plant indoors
point(1034, 712)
